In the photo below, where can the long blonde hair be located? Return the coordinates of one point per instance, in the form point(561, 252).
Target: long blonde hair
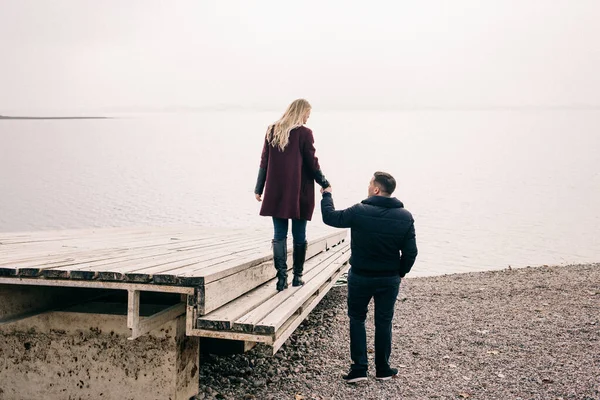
point(278, 134)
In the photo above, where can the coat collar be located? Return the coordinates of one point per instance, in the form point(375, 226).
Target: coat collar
point(381, 201)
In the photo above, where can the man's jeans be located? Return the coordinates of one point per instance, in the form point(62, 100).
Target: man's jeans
point(360, 291)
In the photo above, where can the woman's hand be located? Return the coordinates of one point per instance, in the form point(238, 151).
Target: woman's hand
point(258, 197)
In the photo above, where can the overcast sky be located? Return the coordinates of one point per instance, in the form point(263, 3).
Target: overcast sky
point(91, 54)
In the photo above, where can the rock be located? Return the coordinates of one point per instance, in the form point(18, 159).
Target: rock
point(258, 383)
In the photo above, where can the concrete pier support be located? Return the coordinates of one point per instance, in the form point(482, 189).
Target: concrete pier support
point(82, 355)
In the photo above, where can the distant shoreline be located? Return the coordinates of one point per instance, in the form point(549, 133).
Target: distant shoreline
point(35, 118)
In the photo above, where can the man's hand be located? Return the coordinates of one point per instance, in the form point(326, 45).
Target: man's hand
point(326, 190)
point(258, 197)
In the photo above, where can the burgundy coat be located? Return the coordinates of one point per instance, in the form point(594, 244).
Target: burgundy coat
point(290, 183)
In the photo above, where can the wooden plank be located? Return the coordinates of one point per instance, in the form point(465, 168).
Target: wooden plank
point(137, 246)
point(215, 243)
point(219, 271)
point(247, 322)
point(171, 265)
point(274, 320)
point(223, 317)
point(122, 264)
point(148, 324)
point(99, 285)
point(219, 268)
point(218, 293)
point(74, 235)
point(291, 325)
point(86, 239)
point(249, 337)
point(59, 269)
point(258, 270)
point(163, 262)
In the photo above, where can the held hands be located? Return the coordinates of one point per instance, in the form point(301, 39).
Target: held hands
point(326, 190)
point(258, 197)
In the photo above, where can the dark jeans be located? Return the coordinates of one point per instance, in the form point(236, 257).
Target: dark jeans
point(280, 226)
point(360, 291)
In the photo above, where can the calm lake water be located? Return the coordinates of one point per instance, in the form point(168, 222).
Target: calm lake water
point(487, 189)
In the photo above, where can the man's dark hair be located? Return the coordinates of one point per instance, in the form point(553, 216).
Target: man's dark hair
point(385, 181)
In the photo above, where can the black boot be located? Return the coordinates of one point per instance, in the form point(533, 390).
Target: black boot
point(280, 261)
point(299, 258)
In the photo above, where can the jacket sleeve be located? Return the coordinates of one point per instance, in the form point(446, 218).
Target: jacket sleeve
point(409, 251)
point(337, 219)
point(262, 170)
point(311, 161)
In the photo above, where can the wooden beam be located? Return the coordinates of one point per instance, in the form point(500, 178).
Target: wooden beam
point(133, 308)
point(248, 337)
point(99, 285)
point(148, 324)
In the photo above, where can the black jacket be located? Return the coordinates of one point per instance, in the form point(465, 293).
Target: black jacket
point(382, 231)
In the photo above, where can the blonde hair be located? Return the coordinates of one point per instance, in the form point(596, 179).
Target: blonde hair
point(278, 134)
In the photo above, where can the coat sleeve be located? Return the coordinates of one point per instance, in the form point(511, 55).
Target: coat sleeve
point(311, 161)
point(409, 251)
point(264, 157)
point(262, 170)
point(337, 219)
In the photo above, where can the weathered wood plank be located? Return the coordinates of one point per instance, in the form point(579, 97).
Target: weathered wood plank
point(55, 252)
point(98, 285)
point(71, 262)
point(126, 262)
point(277, 317)
point(165, 262)
point(223, 317)
point(292, 324)
point(248, 322)
point(148, 324)
point(219, 271)
point(187, 259)
point(230, 335)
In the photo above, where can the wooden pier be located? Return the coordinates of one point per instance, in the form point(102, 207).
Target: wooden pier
point(219, 283)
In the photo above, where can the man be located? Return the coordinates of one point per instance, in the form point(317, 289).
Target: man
point(383, 249)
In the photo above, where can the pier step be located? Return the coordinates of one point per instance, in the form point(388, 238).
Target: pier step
point(269, 317)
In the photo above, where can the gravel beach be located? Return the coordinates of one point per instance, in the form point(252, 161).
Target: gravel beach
point(531, 333)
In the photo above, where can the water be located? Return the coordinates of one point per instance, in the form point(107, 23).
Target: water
point(487, 189)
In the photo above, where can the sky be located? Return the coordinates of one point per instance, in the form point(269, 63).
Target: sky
point(114, 54)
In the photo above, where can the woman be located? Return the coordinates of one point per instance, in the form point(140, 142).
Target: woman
point(288, 170)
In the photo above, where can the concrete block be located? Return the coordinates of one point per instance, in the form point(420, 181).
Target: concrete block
point(71, 355)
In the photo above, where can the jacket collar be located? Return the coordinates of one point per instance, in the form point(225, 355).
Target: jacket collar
point(381, 201)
